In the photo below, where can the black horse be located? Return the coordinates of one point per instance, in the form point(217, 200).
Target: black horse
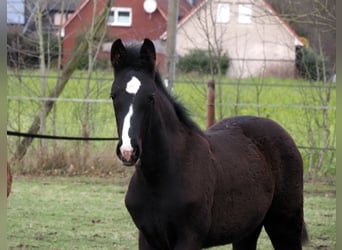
point(193, 189)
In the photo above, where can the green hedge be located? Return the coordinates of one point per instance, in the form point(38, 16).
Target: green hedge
point(310, 65)
point(200, 61)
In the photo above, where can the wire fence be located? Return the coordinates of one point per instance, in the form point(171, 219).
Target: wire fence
point(306, 109)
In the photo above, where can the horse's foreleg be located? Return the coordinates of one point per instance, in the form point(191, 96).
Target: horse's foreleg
point(249, 242)
point(190, 245)
point(143, 244)
point(183, 243)
point(188, 241)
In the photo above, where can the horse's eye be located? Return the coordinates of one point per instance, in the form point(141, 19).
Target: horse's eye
point(114, 92)
point(151, 97)
point(112, 96)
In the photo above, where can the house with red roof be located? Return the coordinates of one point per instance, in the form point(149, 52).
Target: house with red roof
point(128, 20)
point(257, 41)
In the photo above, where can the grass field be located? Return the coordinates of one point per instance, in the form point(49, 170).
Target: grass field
point(297, 105)
point(89, 213)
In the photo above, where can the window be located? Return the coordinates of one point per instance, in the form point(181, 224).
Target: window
point(222, 13)
point(16, 11)
point(245, 13)
point(120, 17)
point(59, 19)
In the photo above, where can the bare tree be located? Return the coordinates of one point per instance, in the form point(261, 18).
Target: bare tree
point(60, 84)
point(171, 42)
point(241, 31)
point(205, 22)
point(43, 76)
point(59, 65)
point(316, 20)
point(313, 19)
point(318, 125)
point(95, 41)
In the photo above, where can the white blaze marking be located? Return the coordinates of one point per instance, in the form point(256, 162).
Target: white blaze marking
point(126, 140)
point(133, 85)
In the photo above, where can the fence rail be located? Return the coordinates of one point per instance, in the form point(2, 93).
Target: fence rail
point(77, 100)
point(297, 105)
point(77, 138)
point(184, 81)
point(56, 137)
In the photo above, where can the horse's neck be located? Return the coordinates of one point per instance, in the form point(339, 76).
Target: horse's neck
point(165, 136)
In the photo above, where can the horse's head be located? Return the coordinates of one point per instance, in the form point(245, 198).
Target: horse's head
point(133, 96)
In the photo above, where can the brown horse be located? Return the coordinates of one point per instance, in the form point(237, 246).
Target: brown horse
point(193, 189)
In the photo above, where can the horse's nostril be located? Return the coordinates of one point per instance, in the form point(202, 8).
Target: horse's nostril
point(127, 154)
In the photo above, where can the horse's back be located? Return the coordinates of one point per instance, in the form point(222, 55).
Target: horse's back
point(252, 127)
point(265, 133)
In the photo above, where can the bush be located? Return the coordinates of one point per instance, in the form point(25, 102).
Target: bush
point(310, 65)
point(201, 62)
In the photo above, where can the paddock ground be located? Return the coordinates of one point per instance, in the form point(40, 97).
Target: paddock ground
point(89, 213)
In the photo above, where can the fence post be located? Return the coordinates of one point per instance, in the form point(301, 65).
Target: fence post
point(211, 103)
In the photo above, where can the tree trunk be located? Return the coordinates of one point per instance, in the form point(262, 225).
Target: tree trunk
point(43, 80)
point(86, 111)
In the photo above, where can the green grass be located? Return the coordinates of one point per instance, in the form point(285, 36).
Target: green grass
point(68, 214)
point(279, 99)
point(89, 213)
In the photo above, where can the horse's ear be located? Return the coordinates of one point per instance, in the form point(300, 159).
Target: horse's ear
point(117, 54)
point(148, 53)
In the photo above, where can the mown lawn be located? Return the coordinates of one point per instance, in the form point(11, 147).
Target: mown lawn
point(89, 213)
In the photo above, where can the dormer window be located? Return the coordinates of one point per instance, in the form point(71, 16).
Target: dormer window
point(119, 16)
point(245, 13)
point(59, 19)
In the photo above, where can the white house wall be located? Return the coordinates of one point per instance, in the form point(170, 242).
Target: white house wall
point(264, 46)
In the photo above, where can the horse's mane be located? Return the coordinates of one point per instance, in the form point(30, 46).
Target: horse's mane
point(133, 60)
point(181, 111)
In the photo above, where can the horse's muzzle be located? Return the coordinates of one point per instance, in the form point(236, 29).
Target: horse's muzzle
point(128, 157)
